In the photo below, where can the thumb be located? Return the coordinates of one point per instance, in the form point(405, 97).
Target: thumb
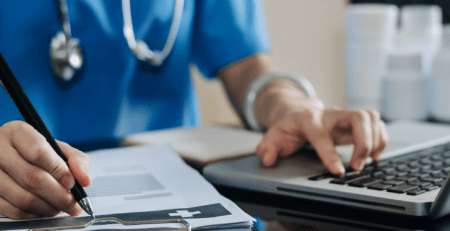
point(79, 163)
point(278, 142)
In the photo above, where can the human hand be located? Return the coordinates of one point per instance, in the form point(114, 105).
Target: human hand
point(323, 129)
point(34, 180)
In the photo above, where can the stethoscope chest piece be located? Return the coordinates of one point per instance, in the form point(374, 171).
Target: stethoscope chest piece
point(66, 56)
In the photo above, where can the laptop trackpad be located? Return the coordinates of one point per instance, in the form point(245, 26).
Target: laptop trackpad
point(300, 164)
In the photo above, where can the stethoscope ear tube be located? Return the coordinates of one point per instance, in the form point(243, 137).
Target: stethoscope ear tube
point(139, 47)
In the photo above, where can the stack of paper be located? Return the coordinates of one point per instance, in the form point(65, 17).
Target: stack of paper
point(147, 183)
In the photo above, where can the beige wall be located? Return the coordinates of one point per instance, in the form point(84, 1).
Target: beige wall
point(308, 38)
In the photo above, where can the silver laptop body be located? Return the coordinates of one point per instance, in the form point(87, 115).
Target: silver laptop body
point(290, 176)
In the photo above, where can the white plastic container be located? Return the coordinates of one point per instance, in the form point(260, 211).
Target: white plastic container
point(440, 81)
point(421, 28)
point(370, 34)
point(404, 87)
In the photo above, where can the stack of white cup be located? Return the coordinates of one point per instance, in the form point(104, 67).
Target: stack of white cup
point(370, 33)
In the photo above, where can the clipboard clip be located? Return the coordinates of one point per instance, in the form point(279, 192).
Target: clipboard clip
point(118, 221)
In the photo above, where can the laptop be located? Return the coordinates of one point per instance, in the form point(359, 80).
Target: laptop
point(303, 214)
point(410, 178)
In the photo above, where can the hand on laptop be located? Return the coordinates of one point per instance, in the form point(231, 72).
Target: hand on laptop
point(324, 129)
point(34, 180)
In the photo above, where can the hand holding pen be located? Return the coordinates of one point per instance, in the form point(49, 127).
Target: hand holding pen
point(35, 180)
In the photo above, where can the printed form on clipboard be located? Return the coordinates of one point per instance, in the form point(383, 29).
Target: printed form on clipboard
point(145, 183)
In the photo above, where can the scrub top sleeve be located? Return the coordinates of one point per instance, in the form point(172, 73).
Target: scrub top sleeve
point(226, 31)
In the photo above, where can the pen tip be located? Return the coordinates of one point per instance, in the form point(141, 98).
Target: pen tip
point(86, 206)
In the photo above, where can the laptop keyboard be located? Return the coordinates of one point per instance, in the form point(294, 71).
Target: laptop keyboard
point(413, 174)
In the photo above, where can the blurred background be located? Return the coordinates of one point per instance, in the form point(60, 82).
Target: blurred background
point(307, 38)
point(352, 56)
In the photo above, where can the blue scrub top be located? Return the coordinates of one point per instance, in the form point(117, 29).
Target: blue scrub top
point(117, 94)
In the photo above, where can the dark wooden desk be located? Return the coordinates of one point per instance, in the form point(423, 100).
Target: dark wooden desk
point(297, 214)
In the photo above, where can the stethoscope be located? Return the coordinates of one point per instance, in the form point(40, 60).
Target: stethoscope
point(66, 54)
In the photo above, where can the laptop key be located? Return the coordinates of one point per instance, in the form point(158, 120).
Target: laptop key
point(418, 183)
point(446, 170)
point(397, 173)
point(441, 148)
point(393, 182)
point(426, 161)
point(388, 169)
point(401, 166)
point(415, 192)
point(431, 179)
point(419, 174)
point(446, 154)
point(397, 164)
point(427, 166)
point(437, 157)
point(438, 164)
point(433, 150)
point(365, 182)
point(375, 170)
point(370, 168)
point(322, 176)
point(430, 171)
point(402, 188)
point(406, 178)
point(384, 176)
point(414, 163)
point(379, 186)
point(410, 169)
point(430, 187)
point(440, 175)
point(350, 178)
point(377, 173)
point(385, 163)
point(439, 183)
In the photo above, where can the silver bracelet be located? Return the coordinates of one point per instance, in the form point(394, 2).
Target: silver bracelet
point(260, 83)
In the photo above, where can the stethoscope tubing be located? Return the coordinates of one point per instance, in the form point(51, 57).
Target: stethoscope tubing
point(64, 49)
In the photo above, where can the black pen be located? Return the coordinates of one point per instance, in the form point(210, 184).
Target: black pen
point(15, 91)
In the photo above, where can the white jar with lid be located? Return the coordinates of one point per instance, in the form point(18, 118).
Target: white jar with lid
point(370, 33)
point(421, 28)
point(404, 87)
point(440, 81)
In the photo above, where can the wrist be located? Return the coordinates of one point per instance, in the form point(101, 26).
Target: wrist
point(280, 99)
point(273, 94)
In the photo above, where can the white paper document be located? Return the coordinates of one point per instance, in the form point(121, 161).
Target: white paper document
point(146, 183)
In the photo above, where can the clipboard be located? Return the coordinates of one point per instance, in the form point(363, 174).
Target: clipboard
point(117, 221)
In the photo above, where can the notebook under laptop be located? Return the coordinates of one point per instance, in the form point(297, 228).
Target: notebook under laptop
point(410, 179)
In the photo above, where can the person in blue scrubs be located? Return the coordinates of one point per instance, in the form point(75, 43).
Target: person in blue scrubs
point(116, 94)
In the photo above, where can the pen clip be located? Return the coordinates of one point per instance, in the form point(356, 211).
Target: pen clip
point(4, 88)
